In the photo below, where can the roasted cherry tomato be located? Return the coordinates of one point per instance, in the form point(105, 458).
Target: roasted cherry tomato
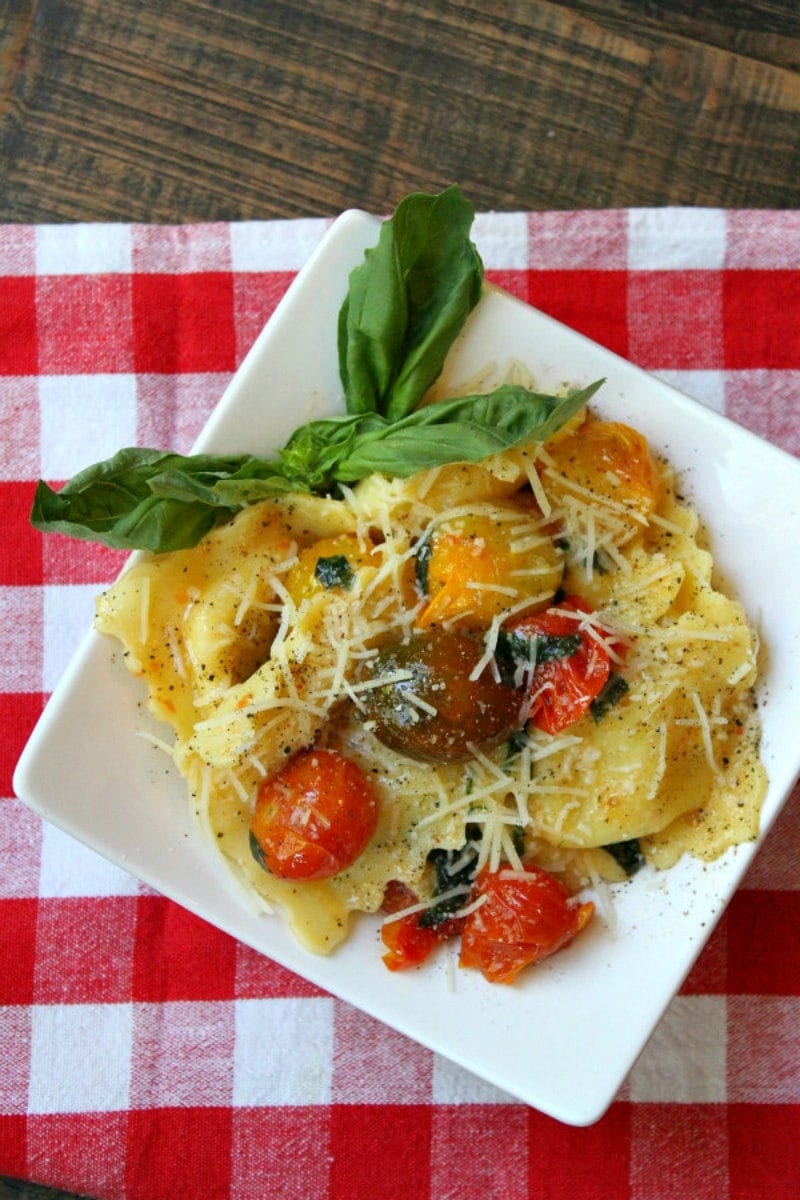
point(473, 567)
point(525, 917)
point(611, 460)
point(328, 564)
point(407, 942)
point(572, 667)
point(314, 817)
point(429, 708)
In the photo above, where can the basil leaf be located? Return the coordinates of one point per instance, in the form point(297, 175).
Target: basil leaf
point(334, 572)
point(156, 500)
point(552, 646)
point(628, 854)
point(407, 302)
point(611, 693)
point(125, 503)
point(452, 868)
point(466, 429)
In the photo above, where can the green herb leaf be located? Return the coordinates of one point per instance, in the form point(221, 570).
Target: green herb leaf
point(628, 854)
point(334, 571)
point(612, 692)
point(515, 651)
point(453, 868)
point(467, 429)
point(151, 499)
point(407, 302)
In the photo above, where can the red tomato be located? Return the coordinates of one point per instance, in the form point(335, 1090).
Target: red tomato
point(563, 688)
point(314, 817)
point(407, 942)
point(524, 919)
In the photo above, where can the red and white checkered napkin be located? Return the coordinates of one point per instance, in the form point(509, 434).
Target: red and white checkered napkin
point(145, 1055)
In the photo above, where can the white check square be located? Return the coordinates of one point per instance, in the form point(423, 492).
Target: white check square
point(69, 868)
point(84, 418)
point(275, 245)
point(283, 1052)
point(83, 249)
point(502, 240)
point(80, 1058)
point(68, 614)
point(675, 239)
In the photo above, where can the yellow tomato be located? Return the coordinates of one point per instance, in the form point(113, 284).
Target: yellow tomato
point(329, 563)
point(610, 460)
point(477, 566)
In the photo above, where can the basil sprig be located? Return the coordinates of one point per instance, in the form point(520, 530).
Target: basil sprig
point(406, 304)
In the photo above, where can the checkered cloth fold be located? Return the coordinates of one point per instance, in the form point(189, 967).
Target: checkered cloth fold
point(132, 1035)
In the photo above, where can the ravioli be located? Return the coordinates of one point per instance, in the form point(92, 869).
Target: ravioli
point(249, 657)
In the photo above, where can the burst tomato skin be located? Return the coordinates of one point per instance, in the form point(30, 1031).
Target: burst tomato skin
point(522, 920)
point(407, 942)
point(314, 817)
point(563, 689)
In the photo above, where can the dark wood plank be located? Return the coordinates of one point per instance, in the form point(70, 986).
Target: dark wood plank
point(202, 109)
point(18, 1189)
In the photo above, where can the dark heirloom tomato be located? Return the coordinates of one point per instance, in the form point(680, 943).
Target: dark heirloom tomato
point(314, 817)
point(524, 918)
point(429, 708)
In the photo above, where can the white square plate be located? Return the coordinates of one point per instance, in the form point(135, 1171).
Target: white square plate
point(563, 1038)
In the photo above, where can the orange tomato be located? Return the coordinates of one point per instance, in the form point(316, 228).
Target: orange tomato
point(524, 918)
point(477, 566)
point(314, 817)
point(612, 460)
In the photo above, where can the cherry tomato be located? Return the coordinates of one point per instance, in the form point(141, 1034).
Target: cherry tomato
point(407, 942)
point(524, 918)
point(342, 555)
point(430, 709)
point(314, 817)
point(476, 566)
point(563, 686)
point(611, 460)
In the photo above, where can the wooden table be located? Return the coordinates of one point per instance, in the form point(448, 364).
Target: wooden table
point(184, 110)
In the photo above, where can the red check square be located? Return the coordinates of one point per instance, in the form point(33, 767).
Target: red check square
point(19, 712)
point(256, 295)
point(287, 1146)
point(675, 320)
point(762, 928)
point(762, 319)
point(258, 977)
point(14, 1142)
point(762, 1151)
point(184, 322)
point(178, 1152)
point(551, 1144)
point(594, 303)
point(19, 354)
point(17, 950)
point(85, 1150)
point(358, 1151)
point(178, 956)
point(21, 544)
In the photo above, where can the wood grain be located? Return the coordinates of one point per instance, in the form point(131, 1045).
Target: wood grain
point(209, 109)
